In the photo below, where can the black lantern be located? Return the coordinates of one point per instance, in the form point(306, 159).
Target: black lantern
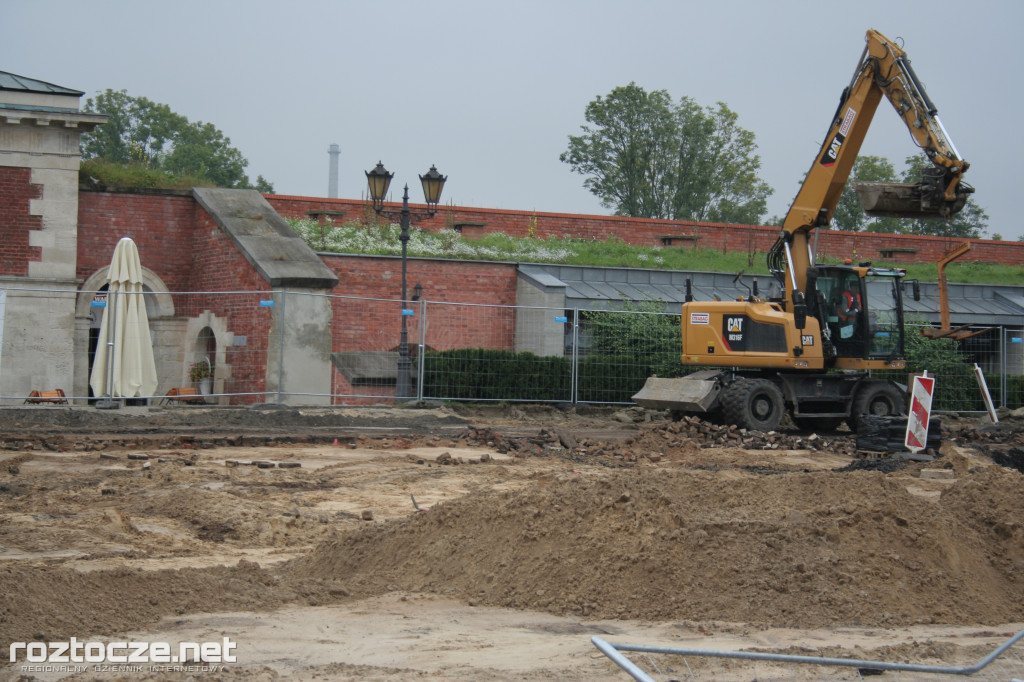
point(379, 180)
point(433, 183)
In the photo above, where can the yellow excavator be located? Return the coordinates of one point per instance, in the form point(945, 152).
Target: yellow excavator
point(807, 347)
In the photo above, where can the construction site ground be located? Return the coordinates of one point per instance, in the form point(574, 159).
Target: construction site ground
point(492, 542)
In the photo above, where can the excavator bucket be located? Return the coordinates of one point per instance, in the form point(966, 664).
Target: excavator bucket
point(906, 200)
point(697, 392)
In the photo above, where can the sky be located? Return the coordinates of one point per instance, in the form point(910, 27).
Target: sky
point(490, 92)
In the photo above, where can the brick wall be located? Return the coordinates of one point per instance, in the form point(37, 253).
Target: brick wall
point(161, 225)
point(360, 324)
point(16, 191)
point(858, 246)
point(464, 282)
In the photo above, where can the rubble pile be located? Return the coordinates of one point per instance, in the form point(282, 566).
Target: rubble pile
point(656, 441)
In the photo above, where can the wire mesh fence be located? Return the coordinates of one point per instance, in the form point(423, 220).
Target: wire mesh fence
point(275, 346)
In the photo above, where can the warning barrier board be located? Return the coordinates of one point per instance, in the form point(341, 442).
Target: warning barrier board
point(920, 412)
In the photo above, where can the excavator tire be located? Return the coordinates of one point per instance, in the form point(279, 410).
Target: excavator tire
point(876, 399)
point(755, 404)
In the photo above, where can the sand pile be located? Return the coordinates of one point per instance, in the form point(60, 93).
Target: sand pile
point(792, 549)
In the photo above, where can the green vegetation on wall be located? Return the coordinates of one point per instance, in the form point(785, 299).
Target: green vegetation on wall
point(382, 239)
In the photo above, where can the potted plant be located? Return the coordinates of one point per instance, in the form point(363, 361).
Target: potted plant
point(201, 372)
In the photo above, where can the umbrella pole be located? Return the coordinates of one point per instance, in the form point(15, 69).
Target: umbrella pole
point(108, 402)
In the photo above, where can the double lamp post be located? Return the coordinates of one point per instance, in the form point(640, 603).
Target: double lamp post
point(379, 179)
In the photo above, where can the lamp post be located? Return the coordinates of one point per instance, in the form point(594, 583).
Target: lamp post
point(433, 182)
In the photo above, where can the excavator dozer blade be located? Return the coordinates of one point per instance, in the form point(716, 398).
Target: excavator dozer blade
point(696, 392)
point(906, 200)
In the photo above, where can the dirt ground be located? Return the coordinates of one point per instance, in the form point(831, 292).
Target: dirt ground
point(491, 543)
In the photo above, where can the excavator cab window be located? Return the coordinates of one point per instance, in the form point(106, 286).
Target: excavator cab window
point(885, 314)
point(844, 314)
point(861, 315)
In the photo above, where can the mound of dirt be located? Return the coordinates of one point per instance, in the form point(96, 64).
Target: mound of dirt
point(122, 599)
point(796, 549)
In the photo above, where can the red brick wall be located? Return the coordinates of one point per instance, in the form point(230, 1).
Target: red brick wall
point(217, 266)
point(377, 324)
point(359, 324)
point(16, 191)
point(161, 226)
point(858, 246)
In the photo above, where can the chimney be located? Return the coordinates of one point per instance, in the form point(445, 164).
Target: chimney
point(332, 178)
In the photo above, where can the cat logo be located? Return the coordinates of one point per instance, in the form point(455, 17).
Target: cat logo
point(734, 324)
point(807, 339)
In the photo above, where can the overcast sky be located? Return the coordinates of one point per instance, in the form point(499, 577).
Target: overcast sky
point(490, 92)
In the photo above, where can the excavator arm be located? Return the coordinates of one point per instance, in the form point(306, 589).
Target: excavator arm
point(883, 70)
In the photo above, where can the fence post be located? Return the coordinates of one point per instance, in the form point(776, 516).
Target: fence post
point(280, 351)
point(574, 358)
point(420, 351)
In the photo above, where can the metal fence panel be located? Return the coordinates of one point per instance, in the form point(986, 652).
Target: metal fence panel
point(456, 351)
point(618, 350)
point(494, 353)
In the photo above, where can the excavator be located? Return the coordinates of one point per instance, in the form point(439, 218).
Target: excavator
point(807, 348)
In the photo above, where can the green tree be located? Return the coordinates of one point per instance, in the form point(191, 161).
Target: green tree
point(143, 133)
point(136, 132)
point(644, 156)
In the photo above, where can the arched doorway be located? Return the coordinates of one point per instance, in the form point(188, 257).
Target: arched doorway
point(205, 351)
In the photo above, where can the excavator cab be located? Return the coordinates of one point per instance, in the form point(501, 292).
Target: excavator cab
point(860, 311)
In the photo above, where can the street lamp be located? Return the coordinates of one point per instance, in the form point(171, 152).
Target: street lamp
point(379, 179)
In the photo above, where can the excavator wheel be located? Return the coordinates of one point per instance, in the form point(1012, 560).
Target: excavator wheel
point(876, 399)
point(755, 404)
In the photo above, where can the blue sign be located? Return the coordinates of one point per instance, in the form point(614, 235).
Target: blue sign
point(408, 312)
point(267, 304)
point(1016, 339)
point(98, 303)
point(561, 318)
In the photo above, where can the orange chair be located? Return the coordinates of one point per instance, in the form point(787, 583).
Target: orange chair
point(56, 397)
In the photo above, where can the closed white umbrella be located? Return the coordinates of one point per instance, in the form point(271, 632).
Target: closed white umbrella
point(124, 366)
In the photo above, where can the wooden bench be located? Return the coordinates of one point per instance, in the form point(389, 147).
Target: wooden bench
point(185, 394)
point(55, 397)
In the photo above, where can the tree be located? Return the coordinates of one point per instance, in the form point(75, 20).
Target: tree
point(136, 131)
point(143, 133)
point(644, 156)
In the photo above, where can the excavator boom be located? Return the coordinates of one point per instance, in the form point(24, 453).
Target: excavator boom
point(883, 70)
